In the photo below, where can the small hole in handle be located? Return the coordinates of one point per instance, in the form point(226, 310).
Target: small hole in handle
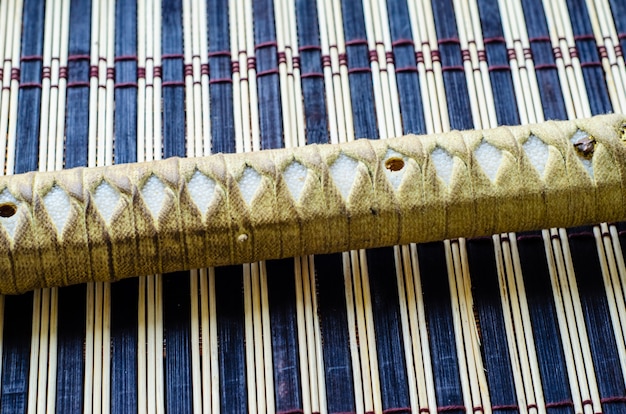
point(394, 164)
point(7, 210)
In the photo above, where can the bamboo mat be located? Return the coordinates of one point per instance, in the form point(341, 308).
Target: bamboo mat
point(530, 322)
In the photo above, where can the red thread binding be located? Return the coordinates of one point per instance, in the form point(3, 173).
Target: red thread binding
point(309, 48)
point(528, 53)
point(251, 63)
point(188, 69)
point(403, 42)
point(419, 56)
point(220, 53)
point(343, 59)
point(510, 53)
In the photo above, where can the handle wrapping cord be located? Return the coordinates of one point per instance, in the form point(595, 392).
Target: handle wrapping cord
point(104, 224)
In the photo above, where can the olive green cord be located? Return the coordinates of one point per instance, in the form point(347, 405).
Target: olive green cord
point(396, 193)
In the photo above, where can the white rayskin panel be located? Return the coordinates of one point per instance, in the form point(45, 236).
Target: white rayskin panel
point(444, 164)
point(57, 203)
point(343, 173)
point(153, 193)
point(202, 190)
point(489, 158)
point(249, 184)
point(295, 177)
point(537, 152)
point(105, 197)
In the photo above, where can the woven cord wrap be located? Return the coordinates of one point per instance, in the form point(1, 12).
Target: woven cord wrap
point(129, 238)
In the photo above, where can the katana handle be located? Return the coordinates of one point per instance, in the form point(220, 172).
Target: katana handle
point(105, 224)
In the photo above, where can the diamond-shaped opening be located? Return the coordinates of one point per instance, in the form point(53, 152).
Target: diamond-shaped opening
point(537, 152)
point(489, 159)
point(394, 167)
point(9, 221)
point(343, 172)
point(105, 197)
point(444, 164)
point(295, 177)
point(153, 193)
point(585, 160)
point(249, 184)
point(202, 190)
point(58, 206)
